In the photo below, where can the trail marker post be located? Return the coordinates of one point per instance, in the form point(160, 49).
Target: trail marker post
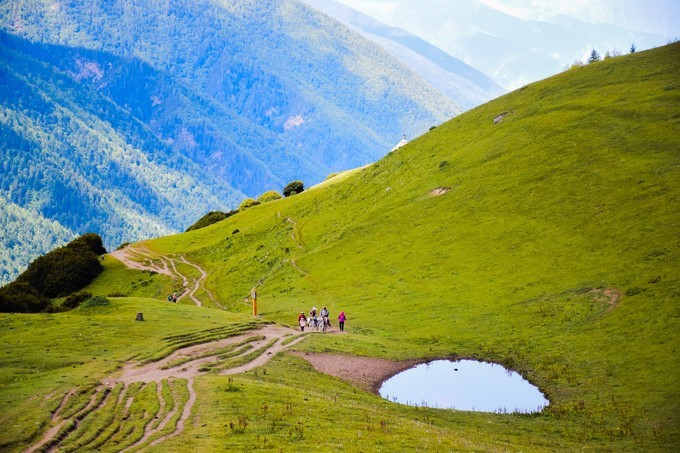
point(253, 296)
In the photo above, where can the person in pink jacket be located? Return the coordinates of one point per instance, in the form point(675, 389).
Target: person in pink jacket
point(341, 320)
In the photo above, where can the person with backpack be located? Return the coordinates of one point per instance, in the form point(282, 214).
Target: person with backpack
point(325, 317)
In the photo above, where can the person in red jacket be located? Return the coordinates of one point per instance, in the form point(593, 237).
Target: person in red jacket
point(302, 320)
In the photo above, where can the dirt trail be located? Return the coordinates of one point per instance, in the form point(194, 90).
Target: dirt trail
point(249, 350)
point(143, 260)
point(186, 412)
point(177, 372)
point(130, 427)
point(137, 257)
point(49, 435)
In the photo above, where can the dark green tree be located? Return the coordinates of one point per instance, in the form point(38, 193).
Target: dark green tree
point(58, 273)
point(210, 218)
point(20, 297)
point(293, 188)
point(594, 56)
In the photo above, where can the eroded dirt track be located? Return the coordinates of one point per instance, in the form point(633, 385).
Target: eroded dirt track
point(145, 404)
point(137, 257)
point(115, 414)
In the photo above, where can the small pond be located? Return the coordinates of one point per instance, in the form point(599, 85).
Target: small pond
point(466, 385)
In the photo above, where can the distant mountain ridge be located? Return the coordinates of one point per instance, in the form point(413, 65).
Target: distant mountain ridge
point(133, 120)
point(462, 83)
point(510, 50)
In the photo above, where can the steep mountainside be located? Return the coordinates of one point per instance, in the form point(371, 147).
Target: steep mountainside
point(133, 120)
point(463, 84)
point(539, 231)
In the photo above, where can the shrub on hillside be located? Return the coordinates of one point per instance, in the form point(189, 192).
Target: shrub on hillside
point(20, 297)
point(58, 273)
point(75, 299)
point(210, 218)
point(95, 301)
point(248, 203)
point(88, 242)
point(269, 196)
point(293, 188)
point(62, 271)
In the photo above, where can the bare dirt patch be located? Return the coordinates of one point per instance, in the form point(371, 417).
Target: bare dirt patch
point(609, 296)
point(367, 373)
point(439, 191)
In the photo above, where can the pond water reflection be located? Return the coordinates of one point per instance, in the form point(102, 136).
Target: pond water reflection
point(464, 385)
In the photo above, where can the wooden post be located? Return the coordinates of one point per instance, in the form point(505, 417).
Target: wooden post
point(253, 295)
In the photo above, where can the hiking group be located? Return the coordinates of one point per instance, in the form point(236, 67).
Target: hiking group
point(321, 321)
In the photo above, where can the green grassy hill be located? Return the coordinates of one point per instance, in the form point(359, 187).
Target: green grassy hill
point(539, 230)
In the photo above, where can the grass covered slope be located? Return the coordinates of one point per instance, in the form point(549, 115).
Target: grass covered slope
point(550, 245)
point(554, 249)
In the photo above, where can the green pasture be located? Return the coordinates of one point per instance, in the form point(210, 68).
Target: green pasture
point(552, 247)
point(46, 355)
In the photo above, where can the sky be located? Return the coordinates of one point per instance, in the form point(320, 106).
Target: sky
point(651, 16)
point(514, 55)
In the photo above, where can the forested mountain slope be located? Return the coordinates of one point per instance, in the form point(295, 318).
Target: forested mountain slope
point(133, 119)
point(21, 227)
point(463, 84)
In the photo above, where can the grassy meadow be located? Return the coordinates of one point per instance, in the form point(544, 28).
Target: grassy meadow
point(552, 246)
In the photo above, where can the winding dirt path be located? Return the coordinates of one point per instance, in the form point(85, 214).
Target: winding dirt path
point(186, 412)
point(233, 355)
point(141, 258)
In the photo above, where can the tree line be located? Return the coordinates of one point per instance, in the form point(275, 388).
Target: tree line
point(59, 273)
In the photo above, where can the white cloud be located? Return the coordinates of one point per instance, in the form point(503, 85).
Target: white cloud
point(293, 122)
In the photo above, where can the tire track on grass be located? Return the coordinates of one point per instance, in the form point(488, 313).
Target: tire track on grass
point(228, 356)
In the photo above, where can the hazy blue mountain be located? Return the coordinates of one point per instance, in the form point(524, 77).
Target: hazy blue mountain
point(133, 120)
point(463, 84)
point(510, 50)
point(22, 230)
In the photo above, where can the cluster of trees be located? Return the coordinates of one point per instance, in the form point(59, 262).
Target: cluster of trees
point(59, 273)
point(210, 218)
point(595, 56)
point(291, 189)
